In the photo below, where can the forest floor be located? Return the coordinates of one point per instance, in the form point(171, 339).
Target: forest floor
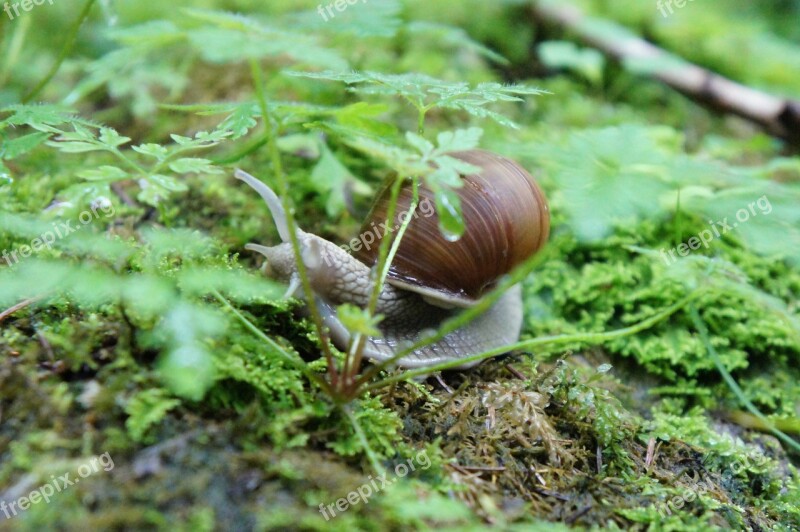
point(132, 397)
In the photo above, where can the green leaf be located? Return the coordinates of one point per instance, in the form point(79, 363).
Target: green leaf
point(358, 320)
point(194, 165)
point(241, 120)
point(608, 176)
point(156, 151)
point(11, 149)
point(167, 182)
point(111, 138)
point(445, 175)
point(188, 368)
point(458, 140)
point(424, 91)
point(423, 146)
point(153, 33)
point(361, 115)
point(42, 117)
point(181, 140)
point(306, 145)
point(228, 38)
point(372, 18)
point(331, 178)
point(75, 146)
point(764, 216)
point(104, 173)
point(448, 208)
point(455, 37)
point(587, 62)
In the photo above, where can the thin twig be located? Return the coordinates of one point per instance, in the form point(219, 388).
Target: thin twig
point(599, 457)
point(577, 515)
point(779, 116)
point(482, 468)
point(438, 377)
point(651, 453)
point(515, 372)
point(19, 306)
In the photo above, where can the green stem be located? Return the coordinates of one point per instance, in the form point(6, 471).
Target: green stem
point(72, 36)
point(295, 361)
point(373, 458)
point(230, 159)
point(121, 156)
point(378, 274)
point(550, 341)
point(283, 187)
point(14, 48)
point(678, 220)
point(461, 319)
point(734, 386)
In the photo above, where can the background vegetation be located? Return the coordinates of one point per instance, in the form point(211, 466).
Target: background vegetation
point(138, 334)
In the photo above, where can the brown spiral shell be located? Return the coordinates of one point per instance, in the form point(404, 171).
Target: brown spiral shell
point(506, 218)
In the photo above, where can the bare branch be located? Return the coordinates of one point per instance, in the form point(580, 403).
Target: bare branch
point(778, 116)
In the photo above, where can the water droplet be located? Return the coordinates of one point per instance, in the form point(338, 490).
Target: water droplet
point(450, 236)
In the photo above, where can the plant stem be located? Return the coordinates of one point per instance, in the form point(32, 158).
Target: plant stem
point(678, 220)
point(230, 159)
point(733, 385)
point(461, 319)
point(283, 187)
point(378, 274)
point(295, 361)
point(585, 338)
point(14, 47)
point(373, 458)
point(72, 36)
point(121, 156)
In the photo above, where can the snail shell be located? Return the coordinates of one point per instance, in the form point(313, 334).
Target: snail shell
point(506, 218)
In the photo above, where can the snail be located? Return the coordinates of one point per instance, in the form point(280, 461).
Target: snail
point(431, 278)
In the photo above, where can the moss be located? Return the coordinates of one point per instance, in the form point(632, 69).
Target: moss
point(639, 434)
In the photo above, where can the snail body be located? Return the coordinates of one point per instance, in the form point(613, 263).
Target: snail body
point(506, 220)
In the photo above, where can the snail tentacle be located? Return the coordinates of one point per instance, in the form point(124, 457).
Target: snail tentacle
point(272, 201)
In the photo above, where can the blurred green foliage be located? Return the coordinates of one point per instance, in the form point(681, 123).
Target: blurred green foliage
point(123, 345)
